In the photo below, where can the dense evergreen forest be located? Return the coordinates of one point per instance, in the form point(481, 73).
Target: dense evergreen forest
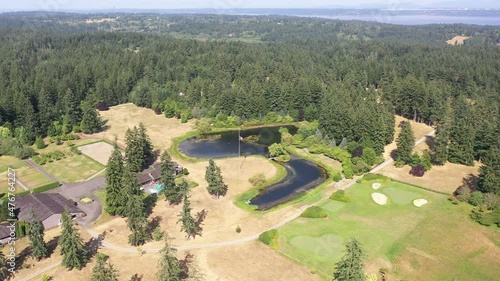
point(350, 76)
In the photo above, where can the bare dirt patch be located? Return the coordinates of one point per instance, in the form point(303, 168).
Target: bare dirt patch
point(457, 40)
point(161, 130)
point(100, 151)
point(250, 261)
point(446, 178)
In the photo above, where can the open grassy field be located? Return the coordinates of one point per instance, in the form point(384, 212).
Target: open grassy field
point(437, 241)
point(99, 151)
point(161, 130)
point(73, 168)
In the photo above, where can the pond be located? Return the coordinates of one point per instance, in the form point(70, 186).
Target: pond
point(302, 175)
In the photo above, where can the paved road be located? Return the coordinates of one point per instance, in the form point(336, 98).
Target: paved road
point(98, 183)
point(40, 169)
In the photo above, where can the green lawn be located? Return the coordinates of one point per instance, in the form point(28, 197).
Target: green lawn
point(26, 174)
point(437, 241)
point(74, 168)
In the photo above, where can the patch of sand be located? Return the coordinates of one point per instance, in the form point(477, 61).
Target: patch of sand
point(376, 185)
point(457, 40)
point(420, 202)
point(379, 198)
point(100, 151)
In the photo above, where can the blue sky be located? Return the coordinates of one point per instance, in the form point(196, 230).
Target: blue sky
point(56, 5)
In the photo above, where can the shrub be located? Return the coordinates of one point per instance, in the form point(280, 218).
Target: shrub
point(336, 177)
point(40, 144)
point(491, 201)
point(238, 229)
point(374, 177)
point(75, 150)
point(270, 238)
point(283, 130)
point(415, 160)
point(185, 171)
point(369, 156)
point(360, 168)
point(347, 169)
point(427, 161)
point(476, 198)
point(417, 171)
point(314, 212)
point(297, 140)
point(316, 149)
point(257, 179)
point(340, 196)
point(286, 139)
point(357, 152)
point(58, 141)
point(276, 150)
point(463, 193)
point(158, 234)
point(283, 158)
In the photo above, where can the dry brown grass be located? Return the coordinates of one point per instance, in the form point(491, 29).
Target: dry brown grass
point(446, 178)
point(419, 131)
point(160, 129)
point(218, 225)
point(457, 40)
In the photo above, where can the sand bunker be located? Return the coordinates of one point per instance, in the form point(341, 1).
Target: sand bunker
point(376, 185)
point(379, 198)
point(420, 202)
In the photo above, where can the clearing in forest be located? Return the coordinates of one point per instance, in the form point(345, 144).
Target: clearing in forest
point(457, 40)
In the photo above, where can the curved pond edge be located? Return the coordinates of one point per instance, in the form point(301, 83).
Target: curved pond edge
point(310, 196)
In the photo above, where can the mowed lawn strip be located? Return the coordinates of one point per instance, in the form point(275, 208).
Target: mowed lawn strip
point(413, 242)
point(74, 168)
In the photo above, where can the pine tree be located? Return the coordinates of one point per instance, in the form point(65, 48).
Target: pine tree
point(405, 143)
point(189, 225)
point(73, 109)
point(167, 176)
point(351, 266)
point(91, 121)
point(489, 176)
point(134, 152)
point(130, 184)
point(169, 267)
point(213, 175)
point(145, 142)
point(114, 194)
point(4, 271)
point(462, 134)
point(136, 220)
point(72, 247)
point(39, 248)
point(104, 270)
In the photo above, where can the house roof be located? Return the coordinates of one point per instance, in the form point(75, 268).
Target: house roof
point(44, 205)
point(4, 231)
point(150, 174)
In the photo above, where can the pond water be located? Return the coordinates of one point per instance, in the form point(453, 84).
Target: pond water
point(302, 175)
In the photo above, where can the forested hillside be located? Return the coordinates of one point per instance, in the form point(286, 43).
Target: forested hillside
point(50, 79)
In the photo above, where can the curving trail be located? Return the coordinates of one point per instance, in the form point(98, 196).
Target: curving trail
point(343, 184)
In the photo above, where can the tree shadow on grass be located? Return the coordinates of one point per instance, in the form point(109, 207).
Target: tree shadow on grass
point(470, 181)
point(154, 223)
point(429, 140)
point(93, 246)
point(52, 245)
point(394, 154)
point(150, 203)
point(185, 265)
point(200, 217)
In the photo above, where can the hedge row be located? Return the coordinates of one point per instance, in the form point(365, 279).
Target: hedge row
point(46, 187)
point(373, 177)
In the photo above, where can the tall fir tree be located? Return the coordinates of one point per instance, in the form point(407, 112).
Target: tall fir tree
point(189, 225)
point(462, 134)
point(73, 109)
point(39, 249)
point(489, 173)
point(91, 120)
point(405, 143)
point(167, 176)
point(104, 269)
point(169, 267)
point(145, 142)
point(351, 266)
point(115, 199)
point(134, 152)
point(130, 183)
point(136, 220)
point(442, 138)
point(213, 175)
point(71, 244)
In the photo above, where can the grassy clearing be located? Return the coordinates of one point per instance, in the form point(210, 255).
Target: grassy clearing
point(428, 243)
point(104, 217)
point(73, 169)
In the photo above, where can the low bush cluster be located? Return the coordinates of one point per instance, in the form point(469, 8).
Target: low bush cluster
point(340, 196)
point(13, 147)
point(50, 157)
point(270, 238)
point(257, 179)
point(373, 177)
point(314, 212)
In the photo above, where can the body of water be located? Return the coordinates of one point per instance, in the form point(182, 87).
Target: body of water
point(302, 175)
point(418, 19)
